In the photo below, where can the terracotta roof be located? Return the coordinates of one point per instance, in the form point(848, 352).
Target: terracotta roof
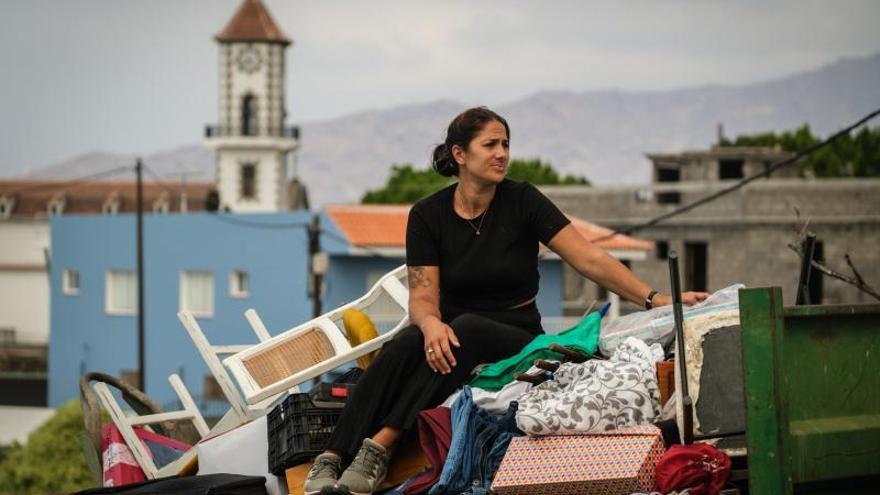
point(385, 226)
point(31, 198)
point(371, 225)
point(252, 22)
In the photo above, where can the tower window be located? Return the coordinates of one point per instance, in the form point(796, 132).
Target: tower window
point(249, 115)
point(730, 169)
point(248, 181)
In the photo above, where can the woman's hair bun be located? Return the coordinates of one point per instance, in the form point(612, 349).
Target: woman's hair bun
point(443, 162)
point(461, 131)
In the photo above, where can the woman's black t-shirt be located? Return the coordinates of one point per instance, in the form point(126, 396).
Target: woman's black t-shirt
point(495, 270)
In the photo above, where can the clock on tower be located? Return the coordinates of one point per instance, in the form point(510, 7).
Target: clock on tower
point(249, 60)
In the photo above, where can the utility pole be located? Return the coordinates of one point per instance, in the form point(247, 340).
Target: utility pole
point(317, 264)
point(142, 384)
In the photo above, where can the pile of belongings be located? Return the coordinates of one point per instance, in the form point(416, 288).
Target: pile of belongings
point(576, 412)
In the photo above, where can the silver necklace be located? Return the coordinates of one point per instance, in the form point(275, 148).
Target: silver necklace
point(478, 228)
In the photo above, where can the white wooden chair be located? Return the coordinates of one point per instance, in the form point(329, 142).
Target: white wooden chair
point(211, 355)
point(317, 346)
point(125, 423)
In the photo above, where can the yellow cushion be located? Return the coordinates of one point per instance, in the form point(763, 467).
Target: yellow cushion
point(360, 329)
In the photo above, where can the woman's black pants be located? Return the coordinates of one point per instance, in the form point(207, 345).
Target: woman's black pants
point(399, 383)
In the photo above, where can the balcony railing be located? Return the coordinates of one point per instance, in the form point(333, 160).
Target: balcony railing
point(212, 131)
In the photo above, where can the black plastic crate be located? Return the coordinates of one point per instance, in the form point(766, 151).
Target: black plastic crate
point(298, 430)
point(331, 394)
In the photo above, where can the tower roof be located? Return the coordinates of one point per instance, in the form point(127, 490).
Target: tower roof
point(252, 22)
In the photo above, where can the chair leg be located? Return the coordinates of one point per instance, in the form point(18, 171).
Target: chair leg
point(188, 404)
point(121, 420)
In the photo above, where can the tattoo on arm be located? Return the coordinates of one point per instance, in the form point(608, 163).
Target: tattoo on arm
point(417, 277)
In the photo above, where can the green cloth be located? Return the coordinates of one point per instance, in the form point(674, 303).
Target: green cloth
point(583, 337)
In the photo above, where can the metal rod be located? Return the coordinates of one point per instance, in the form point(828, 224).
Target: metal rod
point(686, 402)
point(720, 435)
point(142, 384)
point(807, 252)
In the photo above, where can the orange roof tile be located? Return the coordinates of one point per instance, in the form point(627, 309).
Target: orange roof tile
point(252, 22)
point(385, 226)
point(31, 198)
point(371, 225)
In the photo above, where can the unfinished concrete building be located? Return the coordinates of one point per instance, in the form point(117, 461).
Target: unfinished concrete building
point(743, 236)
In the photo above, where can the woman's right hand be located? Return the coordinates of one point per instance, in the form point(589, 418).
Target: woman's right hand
point(438, 339)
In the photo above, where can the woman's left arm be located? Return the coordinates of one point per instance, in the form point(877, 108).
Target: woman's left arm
point(594, 263)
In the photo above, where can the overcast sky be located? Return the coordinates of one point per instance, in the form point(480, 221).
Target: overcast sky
point(139, 76)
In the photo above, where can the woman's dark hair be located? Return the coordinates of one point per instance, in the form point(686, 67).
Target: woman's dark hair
point(461, 131)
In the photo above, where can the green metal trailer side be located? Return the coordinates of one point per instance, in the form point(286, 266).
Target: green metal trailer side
point(812, 391)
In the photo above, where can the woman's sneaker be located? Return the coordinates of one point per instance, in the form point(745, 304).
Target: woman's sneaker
point(323, 474)
point(366, 472)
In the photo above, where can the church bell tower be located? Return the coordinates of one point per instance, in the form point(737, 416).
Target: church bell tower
point(251, 141)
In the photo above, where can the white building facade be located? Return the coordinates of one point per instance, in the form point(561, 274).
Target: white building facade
point(251, 141)
point(24, 291)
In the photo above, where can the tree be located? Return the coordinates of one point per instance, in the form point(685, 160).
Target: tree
point(51, 461)
point(849, 156)
point(542, 173)
point(407, 185)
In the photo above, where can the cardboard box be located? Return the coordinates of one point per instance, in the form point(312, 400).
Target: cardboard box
point(665, 380)
point(610, 463)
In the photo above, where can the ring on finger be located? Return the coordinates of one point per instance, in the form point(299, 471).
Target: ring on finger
point(429, 350)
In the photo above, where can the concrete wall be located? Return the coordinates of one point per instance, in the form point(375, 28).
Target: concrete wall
point(271, 248)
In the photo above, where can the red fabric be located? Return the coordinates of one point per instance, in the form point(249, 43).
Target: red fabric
point(435, 434)
point(119, 465)
point(699, 468)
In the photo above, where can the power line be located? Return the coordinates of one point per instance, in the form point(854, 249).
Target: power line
point(158, 180)
point(739, 184)
point(256, 224)
point(288, 225)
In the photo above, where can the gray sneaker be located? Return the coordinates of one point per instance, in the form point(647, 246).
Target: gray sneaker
point(366, 472)
point(323, 474)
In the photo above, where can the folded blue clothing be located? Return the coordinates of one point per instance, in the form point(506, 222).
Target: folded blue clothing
point(479, 442)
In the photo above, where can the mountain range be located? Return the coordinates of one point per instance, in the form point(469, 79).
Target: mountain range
point(602, 135)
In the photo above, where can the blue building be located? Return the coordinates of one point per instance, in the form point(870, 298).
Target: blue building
point(215, 265)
